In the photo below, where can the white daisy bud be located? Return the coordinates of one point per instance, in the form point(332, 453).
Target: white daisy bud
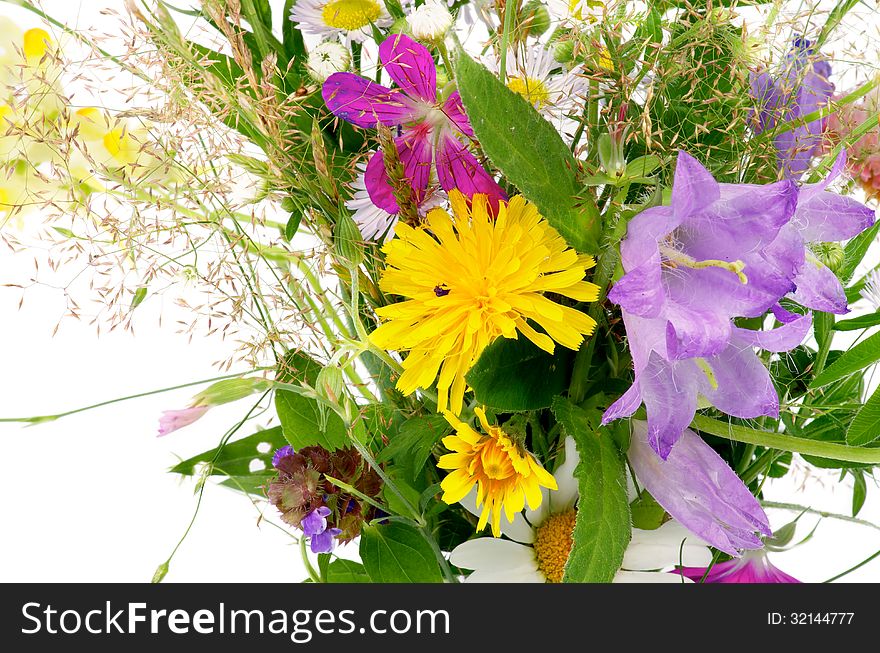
point(431, 21)
point(327, 58)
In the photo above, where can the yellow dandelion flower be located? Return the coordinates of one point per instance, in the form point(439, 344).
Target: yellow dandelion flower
point(469, 279)
point(506, 475)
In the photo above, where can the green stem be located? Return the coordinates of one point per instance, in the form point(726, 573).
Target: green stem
point(310, 570)
point(50, 418)
point(441, 559)
point(793, 507)
point(509, 14)
point(852, 569)
point(870, 456)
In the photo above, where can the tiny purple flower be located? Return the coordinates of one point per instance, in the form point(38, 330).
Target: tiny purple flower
point(172, 420)
point(700, 490)
point(324, 542)
point(283, 452)
point(314, 526)
point(753, 567)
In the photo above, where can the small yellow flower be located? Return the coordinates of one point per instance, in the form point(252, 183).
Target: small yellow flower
point(506, 475)
point(35, 44)
point(470, 279)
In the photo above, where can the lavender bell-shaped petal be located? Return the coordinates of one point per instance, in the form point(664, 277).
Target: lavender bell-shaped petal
point(699, 489)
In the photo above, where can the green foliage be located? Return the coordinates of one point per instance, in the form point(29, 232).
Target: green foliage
point(247, 462)
point(411, 446)
point(516, 375)
point(306, 422)
point(859, 357)
point(865, 427)
point(346, 571)
point(397, 553)
point(602, 529)
point(530, 153)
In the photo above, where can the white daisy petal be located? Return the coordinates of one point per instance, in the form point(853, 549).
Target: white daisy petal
point(351, 19)
point(565, 497)
point(649, 577)
point(489, 553)
point(541, 513)
point(510, 576)
point(669, 545)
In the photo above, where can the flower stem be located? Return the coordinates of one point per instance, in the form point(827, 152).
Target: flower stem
point(784, 442)
point(509, 14)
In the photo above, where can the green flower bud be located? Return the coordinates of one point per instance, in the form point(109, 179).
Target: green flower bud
point(535, 18)
point(831, 255)
point(563, 51)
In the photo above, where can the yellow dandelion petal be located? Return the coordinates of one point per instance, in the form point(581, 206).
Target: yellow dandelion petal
point(506, 475)
point(465, 280)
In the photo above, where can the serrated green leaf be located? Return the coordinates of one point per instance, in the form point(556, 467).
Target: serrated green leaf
point(346, 571)
point(397, 553)
point(530, 153)
point(859, 357)
point(516, 375)
point(865, 427)
point(602, 530)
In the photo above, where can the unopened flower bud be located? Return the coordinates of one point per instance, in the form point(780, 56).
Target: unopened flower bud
point(327, 58)
point(431, 21)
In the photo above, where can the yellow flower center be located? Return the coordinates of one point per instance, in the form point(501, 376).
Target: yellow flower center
point(553, 544)
point(36, 42)
point(533, 90)
point(350, 14)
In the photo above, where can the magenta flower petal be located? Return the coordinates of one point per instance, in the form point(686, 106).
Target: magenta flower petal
point(414, 150)
point(365, 103)
point(753, 567)
point(411, 66)
point(458, 169)
point(699, 489)
point(172, 420)
point(454, 110)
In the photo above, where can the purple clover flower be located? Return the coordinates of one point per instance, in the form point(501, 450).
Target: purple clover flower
point(802, 88)
point(700, 490)
point(314, 526)
point(430, 128)
point(753, 567)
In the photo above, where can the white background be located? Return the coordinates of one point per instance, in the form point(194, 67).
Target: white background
point(88, 498)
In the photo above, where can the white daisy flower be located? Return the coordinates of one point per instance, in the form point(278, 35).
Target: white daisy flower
point(352, 19)
point(376, 223)
point(327, 58)
point(431, 21)
point(555, 92)
point(871, 290)
point(540, 541)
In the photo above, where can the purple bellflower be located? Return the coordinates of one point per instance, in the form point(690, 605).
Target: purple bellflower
point(802, 88)
point(699, 490)
point(314, 526)
point(430, 128)
point(691, 267)
point(753, 567)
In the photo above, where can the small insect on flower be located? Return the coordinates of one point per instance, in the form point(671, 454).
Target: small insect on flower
point(506, 475)
point(468, 279)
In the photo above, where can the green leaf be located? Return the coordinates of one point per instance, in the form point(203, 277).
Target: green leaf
point(602, 530)
point(397, 553)
point(67, 233)
point(865, 427)
point(303, 420)
point(859, 357)
point(515, 375)
point(411, 446)
point(239, 458)
point(294, 45)
point(530, 153)
point(855, 251)
point(346, 571)
point(860, 491)
point(292, 225)
point(856, 323)
point(139, 296)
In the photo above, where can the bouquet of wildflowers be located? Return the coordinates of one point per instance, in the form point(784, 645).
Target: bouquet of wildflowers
point(526, 291)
